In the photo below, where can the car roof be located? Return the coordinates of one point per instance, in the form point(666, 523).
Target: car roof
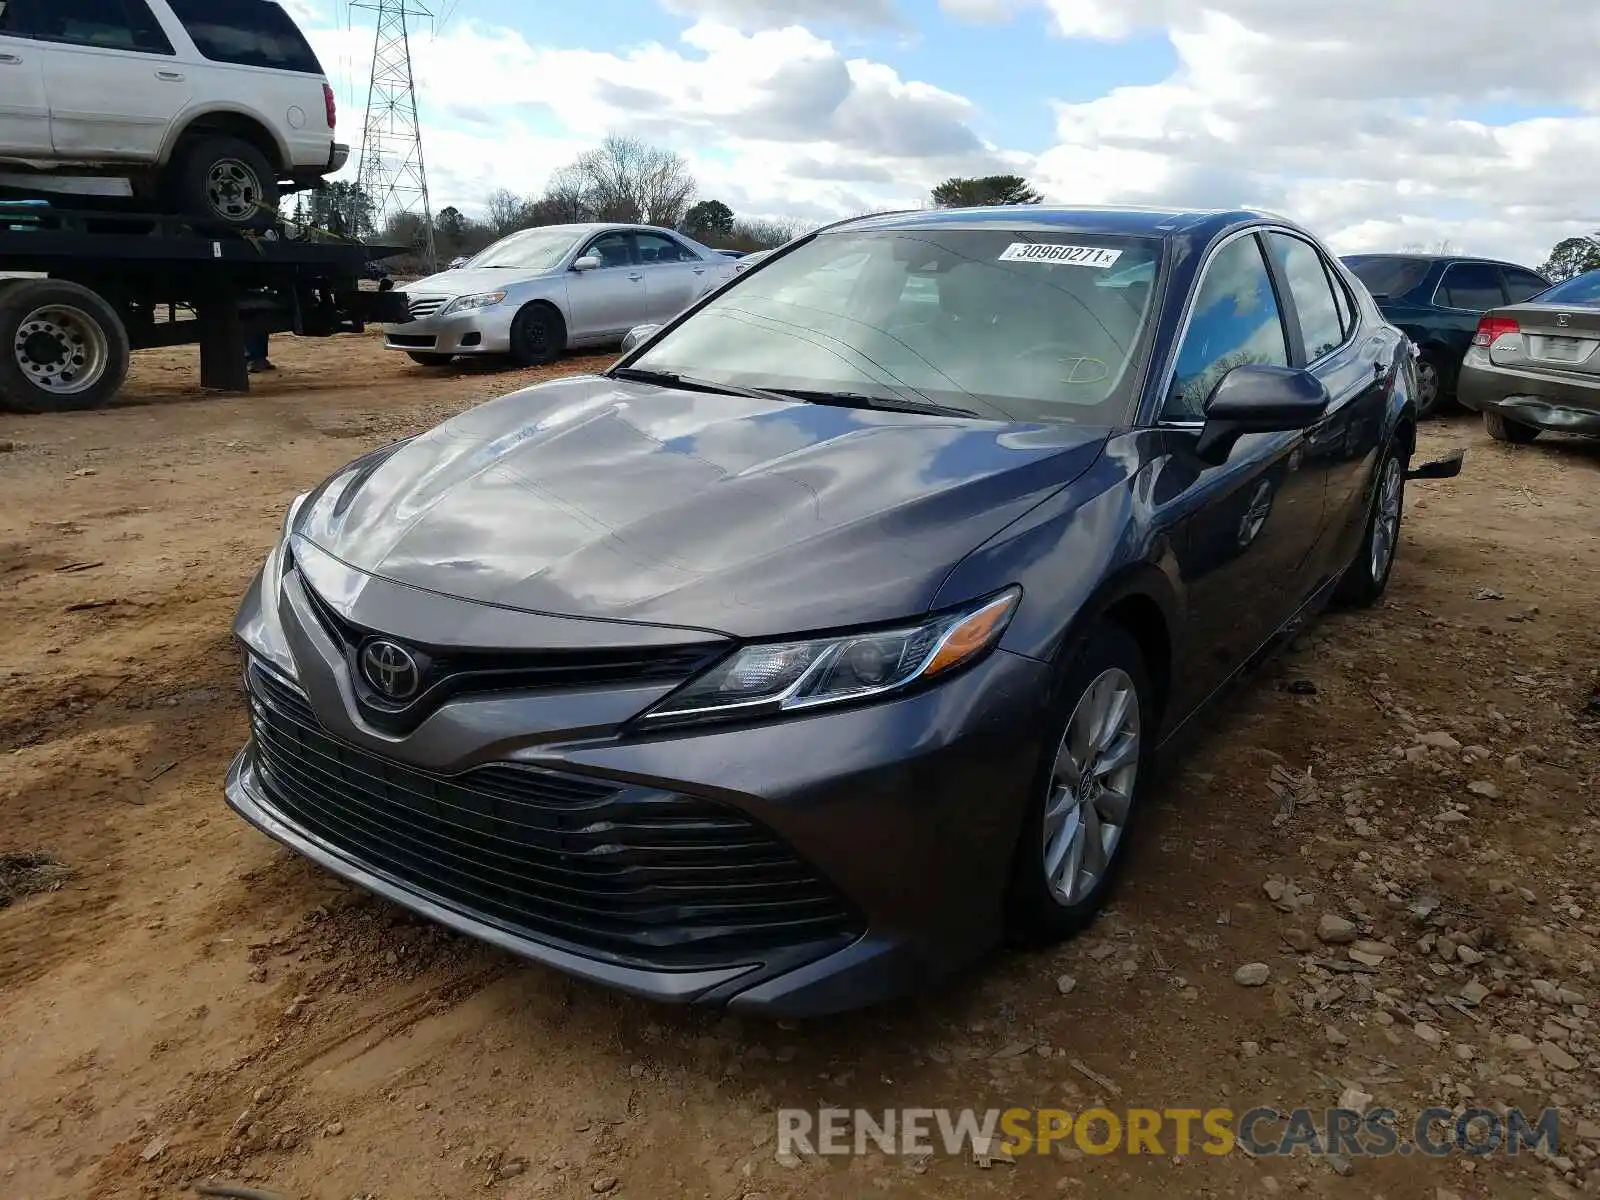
point(1130, 220)
point(1424, 256)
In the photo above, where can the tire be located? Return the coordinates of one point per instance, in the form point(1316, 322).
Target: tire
point(423, 359)
point(62, 347)
point(225, 181)
point(1042, 907)
point(538, 336)
point(1430, 386)
point(1503, 429)
point(1367, 575)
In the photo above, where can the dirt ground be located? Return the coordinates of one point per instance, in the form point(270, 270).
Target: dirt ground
point(193, 1002)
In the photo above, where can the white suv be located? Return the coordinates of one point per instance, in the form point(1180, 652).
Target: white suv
point(211, 108)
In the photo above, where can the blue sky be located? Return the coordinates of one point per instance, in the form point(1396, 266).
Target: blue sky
point(1379, 125)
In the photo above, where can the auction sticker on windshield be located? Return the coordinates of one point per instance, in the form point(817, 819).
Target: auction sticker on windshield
point(1050, 252)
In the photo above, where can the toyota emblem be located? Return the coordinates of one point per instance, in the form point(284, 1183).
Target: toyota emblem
point(391, 669)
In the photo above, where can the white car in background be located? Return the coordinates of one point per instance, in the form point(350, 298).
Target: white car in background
point(541, 291)
point(210, 108)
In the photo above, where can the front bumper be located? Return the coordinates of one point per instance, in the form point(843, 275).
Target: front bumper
point(1564, 404)
point(480, 331)
point(907, 810)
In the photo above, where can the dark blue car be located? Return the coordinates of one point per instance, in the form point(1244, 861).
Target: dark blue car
point(1436, 301)
point(830, 635)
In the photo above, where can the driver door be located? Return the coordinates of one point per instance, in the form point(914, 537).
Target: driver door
point(1242, 529)
point(611, 299)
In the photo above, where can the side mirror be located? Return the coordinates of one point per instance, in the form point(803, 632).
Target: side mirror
point(637, 336)
point(1258, 398)
point(589, 262)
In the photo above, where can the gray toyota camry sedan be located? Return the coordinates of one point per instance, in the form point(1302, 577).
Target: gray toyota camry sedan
point(829, 637)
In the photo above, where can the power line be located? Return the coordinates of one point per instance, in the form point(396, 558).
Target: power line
point(393, 174)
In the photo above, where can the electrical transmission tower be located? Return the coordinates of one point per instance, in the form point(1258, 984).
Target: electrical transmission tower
point(392, 175)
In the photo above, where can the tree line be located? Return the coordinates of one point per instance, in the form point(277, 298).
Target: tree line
point(629, 180)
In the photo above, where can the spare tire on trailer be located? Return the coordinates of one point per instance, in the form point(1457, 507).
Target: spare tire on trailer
point(62, 347)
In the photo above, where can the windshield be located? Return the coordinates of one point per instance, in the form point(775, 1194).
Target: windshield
point(1580, 289)
point(1389, 276)
point(530, 250)
point(1008, 325)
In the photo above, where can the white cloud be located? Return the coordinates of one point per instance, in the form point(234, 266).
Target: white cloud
point(775, 14)
point(744, 107)
point(1353, 118)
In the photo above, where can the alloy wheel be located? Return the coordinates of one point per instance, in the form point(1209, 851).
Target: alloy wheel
point(1427, 386)
point(1386, 519)
point(1091, 787)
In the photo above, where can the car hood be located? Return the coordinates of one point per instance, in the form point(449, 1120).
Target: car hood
point(467, 282)
point(597, 498)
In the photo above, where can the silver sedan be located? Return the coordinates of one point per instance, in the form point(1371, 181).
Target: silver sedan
point(541, 291)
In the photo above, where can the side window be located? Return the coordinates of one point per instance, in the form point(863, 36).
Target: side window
point(111, 24)
point(611, 249)
point(1341, 299)
point(11, 20)
point(1522, 285)
point(247, 33)
point(657, 248)
point(1472, 286)
point(1321, 327)
point(1235, 320)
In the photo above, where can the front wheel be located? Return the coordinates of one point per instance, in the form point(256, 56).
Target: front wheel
point(1366, 577)
point(1087, 789)
point(538, 336)
point(1502, 429)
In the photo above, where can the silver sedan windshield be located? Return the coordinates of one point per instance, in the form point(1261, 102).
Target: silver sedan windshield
point(529, 250)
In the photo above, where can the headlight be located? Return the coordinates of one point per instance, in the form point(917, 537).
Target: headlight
point(472, 303)
point(787, 676)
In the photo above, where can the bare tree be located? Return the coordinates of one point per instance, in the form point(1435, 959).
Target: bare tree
point(505, 211)
point(627, 179)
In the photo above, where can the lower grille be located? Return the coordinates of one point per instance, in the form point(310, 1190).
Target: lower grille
point(634, 875)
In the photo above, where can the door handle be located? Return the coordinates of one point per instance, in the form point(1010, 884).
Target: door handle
point(11, 60)
point(636, 277)
point(699, 270)
point(170, 76)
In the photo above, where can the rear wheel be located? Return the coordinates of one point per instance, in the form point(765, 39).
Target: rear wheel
point(1087, 789)
point(538, 336)
point(1368, 574)
point(228, 181)
point(62, 347)
point(423, 359)
point(1430, 385)
point(1503, 429)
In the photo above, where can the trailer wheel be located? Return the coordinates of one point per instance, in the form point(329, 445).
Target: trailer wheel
point(62, 347)
point(226, 180)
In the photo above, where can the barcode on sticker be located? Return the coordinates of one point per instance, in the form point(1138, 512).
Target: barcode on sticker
point(1052, 252)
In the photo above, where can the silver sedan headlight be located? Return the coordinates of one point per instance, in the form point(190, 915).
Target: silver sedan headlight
point(472, 303)
point(778, 677)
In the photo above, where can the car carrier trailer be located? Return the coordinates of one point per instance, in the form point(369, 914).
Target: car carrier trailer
point(83, 289)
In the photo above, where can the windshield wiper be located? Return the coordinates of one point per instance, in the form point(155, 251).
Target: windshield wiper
point(882, 403)
point(673, 379)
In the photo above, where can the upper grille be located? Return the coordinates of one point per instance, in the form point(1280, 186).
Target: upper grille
point(452, 671)
point(425, 306)
point(636, 875)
